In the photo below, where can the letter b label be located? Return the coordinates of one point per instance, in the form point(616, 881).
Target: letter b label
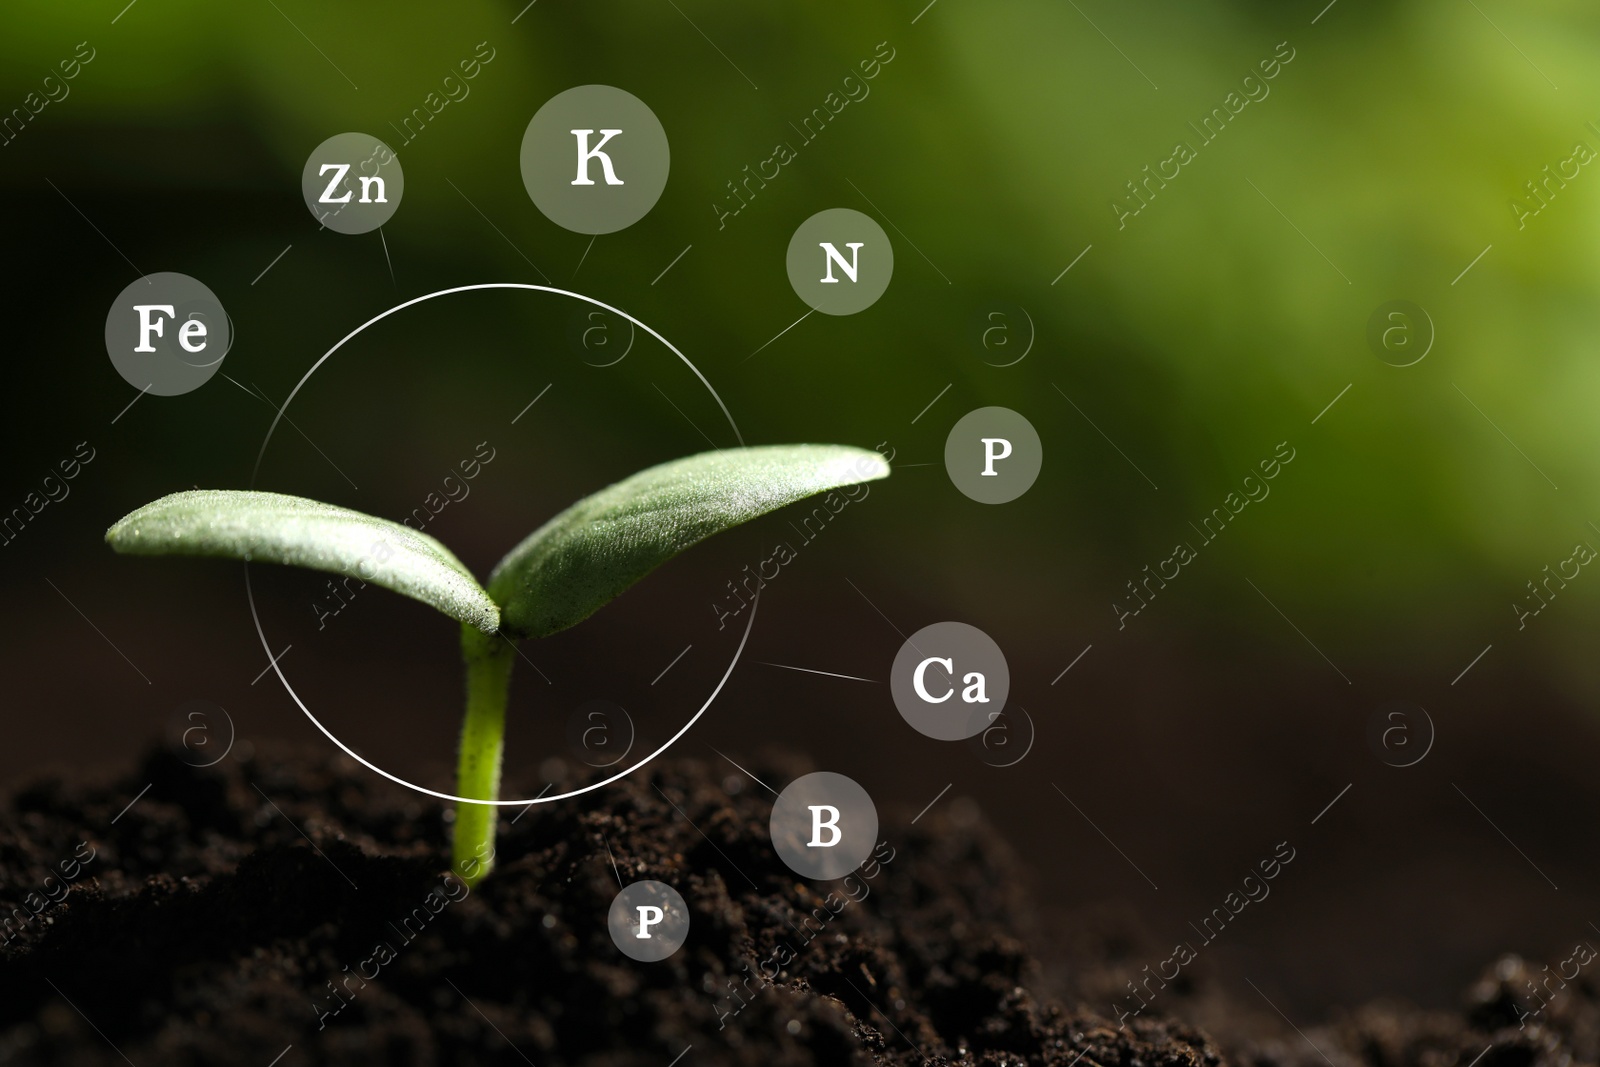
point(824, 818)
point(824, 825)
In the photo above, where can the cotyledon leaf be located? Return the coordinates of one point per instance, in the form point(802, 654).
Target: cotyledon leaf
point(274, 528)
point(565, 570)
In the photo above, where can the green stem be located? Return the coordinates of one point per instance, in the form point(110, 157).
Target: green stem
point(488, 658)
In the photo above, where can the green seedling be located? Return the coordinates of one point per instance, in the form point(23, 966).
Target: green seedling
point(558, 576)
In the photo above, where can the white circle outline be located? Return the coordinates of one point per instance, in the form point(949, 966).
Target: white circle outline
point(633, 737)
point(1033, 735)
point(1433, 735)
point(633, 335)
point(256, 617)
point(233, 735)
point(1033, 333)
point(1432, 337)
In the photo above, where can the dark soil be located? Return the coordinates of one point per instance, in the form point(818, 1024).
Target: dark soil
point(220, 911)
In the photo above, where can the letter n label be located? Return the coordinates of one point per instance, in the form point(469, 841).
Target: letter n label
point(832, 256)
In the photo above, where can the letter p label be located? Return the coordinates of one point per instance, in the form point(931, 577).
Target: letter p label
point(648, 921)
point(994, 448)
point(1000, 434)
point(649, 915)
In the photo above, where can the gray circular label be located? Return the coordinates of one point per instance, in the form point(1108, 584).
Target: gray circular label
point(1002, 737)
point(1400, 733)
point(648, 921)
point(840, 261)
point(167, 334)
point(600, 733)
point(993, 455)
point(824, 825)
point(595, 159)
point(1400, 333)
point(947, 678)
point(352, 183)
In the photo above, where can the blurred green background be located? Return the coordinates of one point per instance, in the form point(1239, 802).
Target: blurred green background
point(1220, 321)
